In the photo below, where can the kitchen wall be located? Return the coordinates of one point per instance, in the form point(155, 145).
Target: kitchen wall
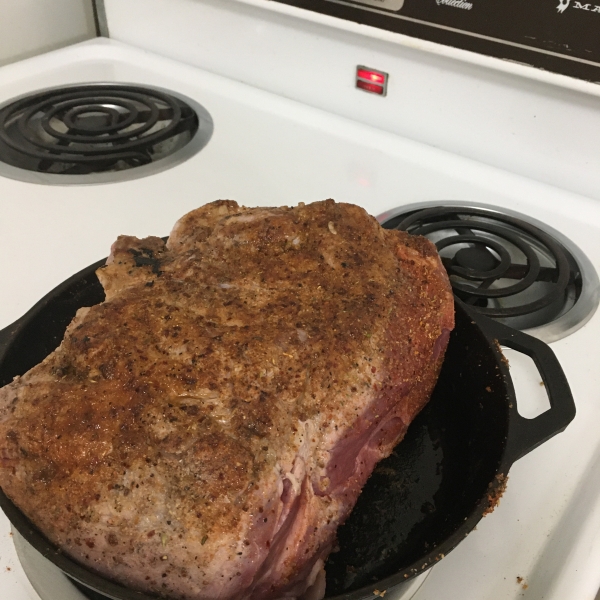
point(29, 27)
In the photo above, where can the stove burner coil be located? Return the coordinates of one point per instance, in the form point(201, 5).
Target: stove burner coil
point(506, 267)
point(97, 128)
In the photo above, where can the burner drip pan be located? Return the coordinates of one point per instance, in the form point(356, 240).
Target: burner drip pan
point(98, 133)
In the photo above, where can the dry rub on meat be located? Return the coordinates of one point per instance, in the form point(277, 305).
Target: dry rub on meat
point(203, 432)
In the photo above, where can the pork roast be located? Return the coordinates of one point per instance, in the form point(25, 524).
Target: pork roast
point(203, 432)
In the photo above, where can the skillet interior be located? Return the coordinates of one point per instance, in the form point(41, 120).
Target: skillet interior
point(415, 504)
point(418, 504)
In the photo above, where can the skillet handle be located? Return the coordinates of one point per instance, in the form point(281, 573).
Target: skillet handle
point(526, 434)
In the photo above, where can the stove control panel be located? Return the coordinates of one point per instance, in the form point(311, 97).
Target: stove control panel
point(555, 35)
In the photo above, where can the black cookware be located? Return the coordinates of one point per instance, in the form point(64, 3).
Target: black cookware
point(448, 472)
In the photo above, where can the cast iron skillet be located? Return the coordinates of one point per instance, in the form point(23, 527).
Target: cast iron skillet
point(447, 473)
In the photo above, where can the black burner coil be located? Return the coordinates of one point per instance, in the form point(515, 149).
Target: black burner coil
point(499, 264)
point(93, 128)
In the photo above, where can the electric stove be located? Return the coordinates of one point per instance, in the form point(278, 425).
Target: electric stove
point(264, 148)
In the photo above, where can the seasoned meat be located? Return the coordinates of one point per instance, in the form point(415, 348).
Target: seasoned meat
point(203, 432)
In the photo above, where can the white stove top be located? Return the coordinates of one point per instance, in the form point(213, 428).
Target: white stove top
point(268, 150)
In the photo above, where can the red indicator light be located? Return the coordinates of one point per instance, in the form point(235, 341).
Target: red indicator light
point(371, 80)
point(370, 75)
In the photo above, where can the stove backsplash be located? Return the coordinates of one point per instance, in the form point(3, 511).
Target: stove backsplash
point(513, 116)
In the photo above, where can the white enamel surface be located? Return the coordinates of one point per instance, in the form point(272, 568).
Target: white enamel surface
point(518, 118)
point(529, 387)
point(268, 150)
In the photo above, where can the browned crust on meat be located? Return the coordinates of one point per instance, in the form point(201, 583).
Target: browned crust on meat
point(166, 406)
